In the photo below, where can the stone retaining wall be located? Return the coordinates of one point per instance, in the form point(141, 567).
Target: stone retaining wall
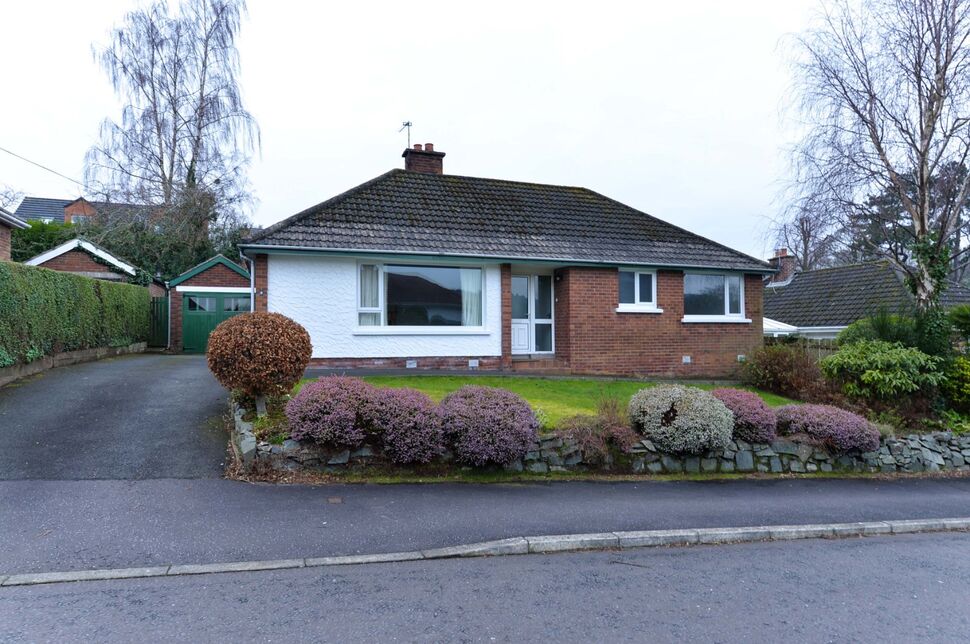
point(940, 451)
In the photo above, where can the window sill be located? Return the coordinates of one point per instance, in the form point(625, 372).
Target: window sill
point(715, 319)
point(421, 330)
point(637, 308)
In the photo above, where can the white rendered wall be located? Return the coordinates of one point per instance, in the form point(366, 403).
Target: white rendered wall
point(321, 294)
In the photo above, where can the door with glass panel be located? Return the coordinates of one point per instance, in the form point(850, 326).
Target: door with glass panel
point(532, 314)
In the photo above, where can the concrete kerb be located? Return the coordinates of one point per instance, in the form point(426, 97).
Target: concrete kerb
point(522, 545)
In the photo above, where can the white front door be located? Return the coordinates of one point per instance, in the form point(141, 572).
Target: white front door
point(532, 314)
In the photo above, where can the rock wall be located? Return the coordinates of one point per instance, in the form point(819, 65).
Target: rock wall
point(940, 451)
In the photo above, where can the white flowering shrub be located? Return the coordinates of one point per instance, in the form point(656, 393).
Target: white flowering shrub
point(680, 419)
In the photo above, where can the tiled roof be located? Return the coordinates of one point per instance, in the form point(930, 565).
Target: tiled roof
point(841, 295)
point(418, 213)
point(41, 208)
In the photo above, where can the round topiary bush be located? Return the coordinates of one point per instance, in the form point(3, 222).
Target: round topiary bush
point(754, 421)
point(408, 423)
point(831, 427)
point(259, 354)
point(488, 425)
point(333, 410)
point(683, 420)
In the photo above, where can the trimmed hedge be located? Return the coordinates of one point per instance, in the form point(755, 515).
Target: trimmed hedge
point(44, 312)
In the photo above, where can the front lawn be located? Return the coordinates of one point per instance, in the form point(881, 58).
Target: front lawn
point(558, 398)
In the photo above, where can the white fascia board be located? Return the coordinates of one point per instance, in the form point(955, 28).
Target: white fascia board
point(186, 288)
point(70, 245)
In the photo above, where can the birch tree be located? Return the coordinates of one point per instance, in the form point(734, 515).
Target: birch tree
point(184, 139)
point(884, 89)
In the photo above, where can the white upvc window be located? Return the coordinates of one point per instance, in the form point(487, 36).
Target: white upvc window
point(638, 291)
point(425, 296)
point(714, 297)
point(369, 311)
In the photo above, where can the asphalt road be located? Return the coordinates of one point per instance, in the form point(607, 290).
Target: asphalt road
point(71, 525)
point(886, 589)
point(145, 416)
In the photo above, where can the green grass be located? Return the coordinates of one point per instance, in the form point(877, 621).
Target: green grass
point(558, 398)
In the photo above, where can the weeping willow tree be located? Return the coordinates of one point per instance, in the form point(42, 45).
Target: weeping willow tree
point(182, 143)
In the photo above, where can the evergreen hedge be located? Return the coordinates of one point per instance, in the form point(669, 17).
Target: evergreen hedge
point(44, 312)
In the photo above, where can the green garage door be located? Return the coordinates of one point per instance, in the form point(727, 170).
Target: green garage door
point(202, 312)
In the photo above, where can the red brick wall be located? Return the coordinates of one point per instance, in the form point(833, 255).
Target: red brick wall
point(79, 207)
point(218, 275)
point(506, 280)
point(4, 243)
point(261, 281)
point(156, 290)
point(593, 338)
point(77, 261)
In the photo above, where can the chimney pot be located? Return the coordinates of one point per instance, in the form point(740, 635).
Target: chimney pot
point(785, 265)
point(426, 159)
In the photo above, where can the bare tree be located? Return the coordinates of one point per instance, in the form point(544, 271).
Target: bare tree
point(9, 196)
point(183, 142)
point(809, 233)
point(885, 90)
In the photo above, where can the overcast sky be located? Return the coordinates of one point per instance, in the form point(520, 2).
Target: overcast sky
point(676, 110)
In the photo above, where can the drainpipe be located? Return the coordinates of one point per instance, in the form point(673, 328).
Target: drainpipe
point(168, 340)
point(252, 280)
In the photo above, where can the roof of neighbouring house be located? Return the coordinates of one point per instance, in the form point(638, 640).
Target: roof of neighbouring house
point(88, 247)
point(10, 220)
point(838, 296)
point(45, 208)
point(206, 265)
point(428, 214)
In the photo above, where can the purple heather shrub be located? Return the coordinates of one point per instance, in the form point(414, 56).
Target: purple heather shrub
point(754, 421)
point(488, 425)
point(832, 427)
point(332, 410)
point(408, 423)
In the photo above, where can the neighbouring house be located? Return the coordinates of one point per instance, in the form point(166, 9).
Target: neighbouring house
point(71, 211)
point(201, 298)
point(417, 268)
point(8, 221)
point(820, 303)
point(82, 257)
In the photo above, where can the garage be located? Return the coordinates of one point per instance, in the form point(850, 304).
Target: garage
point(204, 296)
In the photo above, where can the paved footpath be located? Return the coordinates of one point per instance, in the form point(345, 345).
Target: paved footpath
point(908, 588)
point(76, 525)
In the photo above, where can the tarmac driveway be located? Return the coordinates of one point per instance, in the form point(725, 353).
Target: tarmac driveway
point(134, 417)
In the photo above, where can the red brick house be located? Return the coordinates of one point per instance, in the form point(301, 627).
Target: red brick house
point(75, 211)
point(201, 298)
point(7, 223)
point(82, 257)
point(416, 268)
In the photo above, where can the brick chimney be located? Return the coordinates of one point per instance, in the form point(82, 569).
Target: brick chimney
point(784, 262)
point(423, 159)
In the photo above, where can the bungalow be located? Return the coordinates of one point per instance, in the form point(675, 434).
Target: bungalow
point(420, 269)
point(820, 303)
point(7, 223)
